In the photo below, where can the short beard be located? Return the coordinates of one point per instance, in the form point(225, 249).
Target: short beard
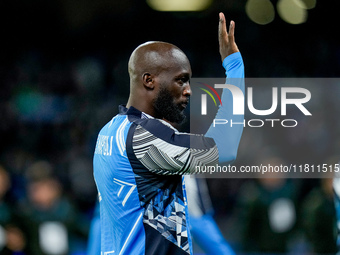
point(165, 106)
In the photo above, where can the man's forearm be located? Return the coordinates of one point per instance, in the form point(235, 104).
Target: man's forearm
point(227, 136)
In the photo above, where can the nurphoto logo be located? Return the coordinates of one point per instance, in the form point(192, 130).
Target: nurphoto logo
point(295, 96)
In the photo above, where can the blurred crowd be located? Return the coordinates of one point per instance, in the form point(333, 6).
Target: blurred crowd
point(51, 114)
point(52, 109)
point(48, 132)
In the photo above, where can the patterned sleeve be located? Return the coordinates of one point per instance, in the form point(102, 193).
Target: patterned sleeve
point(163, 150)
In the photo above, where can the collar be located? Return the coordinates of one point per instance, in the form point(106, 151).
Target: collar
point(142, 115)
point(133, 111)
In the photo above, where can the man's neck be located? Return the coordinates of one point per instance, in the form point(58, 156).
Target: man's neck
point(143, 107)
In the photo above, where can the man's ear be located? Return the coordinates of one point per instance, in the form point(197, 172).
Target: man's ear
point(148, 81)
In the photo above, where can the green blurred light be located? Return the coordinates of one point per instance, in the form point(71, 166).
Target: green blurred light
point(292, 11)
point(307, 4)
point(260, 11)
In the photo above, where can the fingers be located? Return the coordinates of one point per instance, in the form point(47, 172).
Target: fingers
point(226, 40)
point(222, 21)
point(222, 29)
point(232, 28)
point(231, 31)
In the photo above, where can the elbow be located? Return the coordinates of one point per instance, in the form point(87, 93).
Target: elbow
point(233, 157)
point(228, 157)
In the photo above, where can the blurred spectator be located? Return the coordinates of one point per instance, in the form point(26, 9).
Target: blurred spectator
point(16, 242)
point(5, 212)
point(319, 218)
point(267, 213)
point(52, 223)
point(12, 239)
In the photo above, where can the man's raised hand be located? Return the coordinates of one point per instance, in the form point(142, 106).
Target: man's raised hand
point(226, 41)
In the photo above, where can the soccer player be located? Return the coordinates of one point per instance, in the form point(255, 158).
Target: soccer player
point(140, 158)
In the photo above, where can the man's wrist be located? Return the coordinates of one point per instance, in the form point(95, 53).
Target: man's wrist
point(229, 59)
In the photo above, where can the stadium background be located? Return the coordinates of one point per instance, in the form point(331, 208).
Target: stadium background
point(63, 72)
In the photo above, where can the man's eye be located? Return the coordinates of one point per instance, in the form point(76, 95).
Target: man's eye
point(183, 80)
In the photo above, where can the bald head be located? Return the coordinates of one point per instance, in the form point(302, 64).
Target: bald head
point(153, 57)
point(159, 80)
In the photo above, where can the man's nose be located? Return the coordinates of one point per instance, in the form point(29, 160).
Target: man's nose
point(187, 90)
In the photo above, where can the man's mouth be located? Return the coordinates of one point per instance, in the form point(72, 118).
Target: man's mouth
point(184, 105)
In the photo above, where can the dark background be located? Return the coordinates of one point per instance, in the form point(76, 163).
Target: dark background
point(63, 73)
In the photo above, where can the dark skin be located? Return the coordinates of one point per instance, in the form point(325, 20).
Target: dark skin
point(156, 65)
